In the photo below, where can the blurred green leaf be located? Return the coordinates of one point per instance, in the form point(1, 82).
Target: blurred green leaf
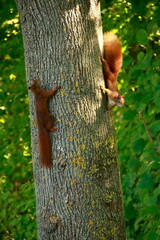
point(155, 79)
point(140, 56)
point(142, 37)
point(139, 145)
point(129, 115)
point(152, 235)
point(157, 98)
point(146, 182)
point(155, 127)
point(150, 210)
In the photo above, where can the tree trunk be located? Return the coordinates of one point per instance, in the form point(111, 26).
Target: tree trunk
point(80, 196)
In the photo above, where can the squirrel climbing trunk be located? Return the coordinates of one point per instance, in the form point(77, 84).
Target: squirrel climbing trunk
point(45, 122)
point(112, 62)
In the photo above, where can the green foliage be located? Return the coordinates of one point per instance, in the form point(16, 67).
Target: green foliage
point(138, 123)
point(17, 199)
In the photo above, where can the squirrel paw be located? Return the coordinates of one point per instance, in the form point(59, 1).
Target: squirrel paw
point(53, 129)
point(102, 58)
point(102, 88)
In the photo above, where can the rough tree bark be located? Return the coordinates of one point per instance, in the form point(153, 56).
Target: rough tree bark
point(80, 196)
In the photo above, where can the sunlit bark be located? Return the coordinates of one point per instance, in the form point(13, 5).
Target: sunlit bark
point(80, 196)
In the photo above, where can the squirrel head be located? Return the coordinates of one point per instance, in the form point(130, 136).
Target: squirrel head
point(116, 100)
point(35, 86)
point(120, 100)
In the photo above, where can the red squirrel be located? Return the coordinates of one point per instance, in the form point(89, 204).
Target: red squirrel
point(112, 63)
point(45, 122)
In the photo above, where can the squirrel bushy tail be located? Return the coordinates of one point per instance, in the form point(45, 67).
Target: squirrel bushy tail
point(44, 147)
point(112, 52)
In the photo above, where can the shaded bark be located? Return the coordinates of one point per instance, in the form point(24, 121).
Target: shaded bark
point(80, 196)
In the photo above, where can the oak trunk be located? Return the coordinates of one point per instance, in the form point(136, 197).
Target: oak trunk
point(80, 196)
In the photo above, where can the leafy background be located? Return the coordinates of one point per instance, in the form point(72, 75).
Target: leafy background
point(17, 198)
point(138, 124)
point(137, 23)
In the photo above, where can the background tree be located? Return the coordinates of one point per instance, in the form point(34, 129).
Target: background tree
point(139, 159)
point(80, 196)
